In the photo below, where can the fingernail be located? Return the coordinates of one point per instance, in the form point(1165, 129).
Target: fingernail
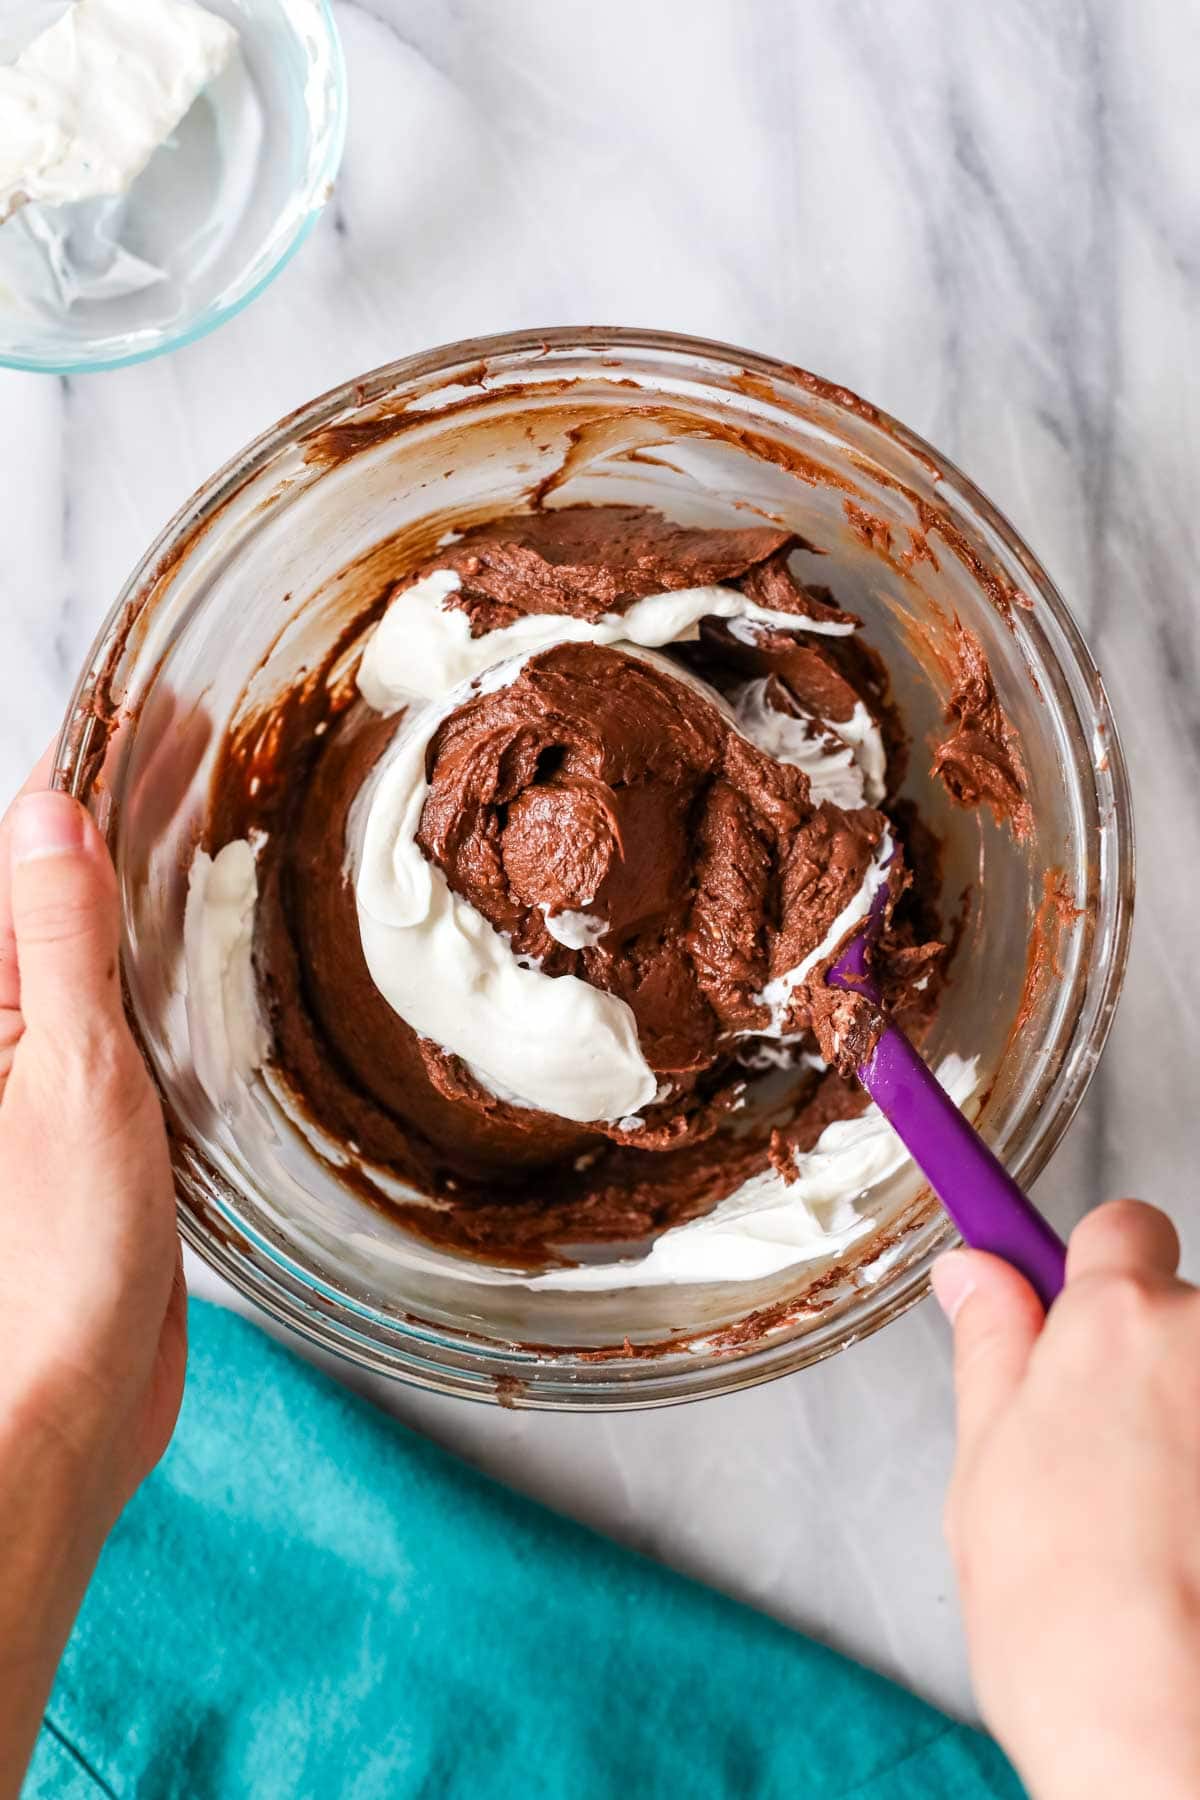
point(953, 1282)
point(49, 824)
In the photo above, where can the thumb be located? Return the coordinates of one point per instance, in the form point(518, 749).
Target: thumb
point(997, 1319)
point(64, 915)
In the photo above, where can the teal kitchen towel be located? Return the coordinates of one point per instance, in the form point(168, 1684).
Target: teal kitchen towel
point(307, 1600)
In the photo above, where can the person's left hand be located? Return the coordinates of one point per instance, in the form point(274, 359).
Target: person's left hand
point(92, 1301)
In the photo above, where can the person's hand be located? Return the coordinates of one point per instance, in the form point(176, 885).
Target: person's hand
point(1074, 1511)
point(92, 1302)
point(92, 1314)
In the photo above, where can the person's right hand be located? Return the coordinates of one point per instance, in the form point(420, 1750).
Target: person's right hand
point(1074, 1511)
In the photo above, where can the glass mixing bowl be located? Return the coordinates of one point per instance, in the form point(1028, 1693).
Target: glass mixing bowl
point(254, 580)
point(218, 212)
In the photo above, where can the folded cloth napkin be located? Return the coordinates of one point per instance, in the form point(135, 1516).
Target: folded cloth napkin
point(307, 1600)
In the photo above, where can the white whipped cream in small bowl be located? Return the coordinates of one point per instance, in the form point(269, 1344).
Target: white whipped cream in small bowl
point(268, 569)
point(160, 162)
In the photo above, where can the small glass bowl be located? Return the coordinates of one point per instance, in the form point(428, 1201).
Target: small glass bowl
point(218, 212)
point(256, 578)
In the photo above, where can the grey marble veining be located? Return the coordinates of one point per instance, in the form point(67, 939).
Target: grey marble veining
point(984, 218)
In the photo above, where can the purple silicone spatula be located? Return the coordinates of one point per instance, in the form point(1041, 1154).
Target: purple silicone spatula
point(984, 1201)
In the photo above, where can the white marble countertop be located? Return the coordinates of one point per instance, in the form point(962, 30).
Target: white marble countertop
point(983, 218)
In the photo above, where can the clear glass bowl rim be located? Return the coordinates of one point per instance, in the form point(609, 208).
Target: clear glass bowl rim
point(217, 314)
point(475, 1368)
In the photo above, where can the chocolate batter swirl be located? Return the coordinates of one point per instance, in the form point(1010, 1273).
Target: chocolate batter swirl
point(605, 810)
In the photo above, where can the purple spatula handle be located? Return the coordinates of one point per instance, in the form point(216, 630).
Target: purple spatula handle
point(984, 1201)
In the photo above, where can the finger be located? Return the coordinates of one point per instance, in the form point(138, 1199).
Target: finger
point(64, 917)
point(997, 1319)
point(9, 985)
point(1124, 1235)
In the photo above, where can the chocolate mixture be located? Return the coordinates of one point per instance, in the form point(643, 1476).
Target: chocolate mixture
point(610, 784)
point(980, 762)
